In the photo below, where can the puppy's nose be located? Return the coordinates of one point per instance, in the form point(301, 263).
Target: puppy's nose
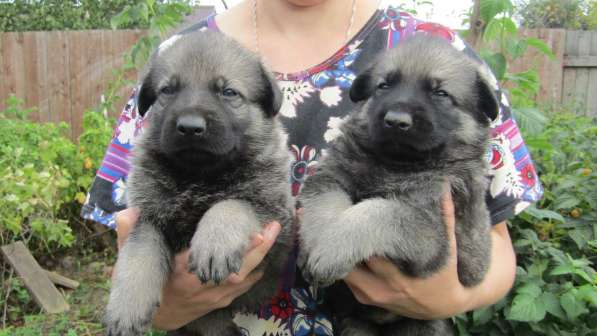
point(190, 125)
point(400, 120)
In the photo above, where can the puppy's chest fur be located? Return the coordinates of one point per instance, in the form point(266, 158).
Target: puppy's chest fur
point(363, 179)
point(177, 205)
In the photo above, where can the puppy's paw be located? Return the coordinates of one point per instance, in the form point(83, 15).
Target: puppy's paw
point(324, 267)
point(215, 261)
point(127, 320)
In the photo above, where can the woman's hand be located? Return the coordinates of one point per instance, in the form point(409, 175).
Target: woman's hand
point(380, 282)
point(184, 298)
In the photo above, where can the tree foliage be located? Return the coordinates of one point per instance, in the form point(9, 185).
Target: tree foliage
point(567, 14)
point(37, 15)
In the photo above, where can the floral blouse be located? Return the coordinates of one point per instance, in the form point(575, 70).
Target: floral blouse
point(315, 104)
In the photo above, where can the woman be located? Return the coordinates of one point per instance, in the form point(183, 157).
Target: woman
point(316, 47)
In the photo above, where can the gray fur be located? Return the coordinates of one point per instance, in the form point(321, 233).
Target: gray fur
point(378, 192)
point(207, 192)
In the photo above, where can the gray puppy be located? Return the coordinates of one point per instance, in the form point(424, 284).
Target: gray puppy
point(422, 117)
point(210, 169)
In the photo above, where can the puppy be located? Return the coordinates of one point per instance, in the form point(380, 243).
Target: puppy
point(209, 171)
point(421, 121)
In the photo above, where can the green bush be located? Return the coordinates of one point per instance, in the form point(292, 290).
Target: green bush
point(44, 176)
point(38, 15)
point(26, 15)
point(556, 242)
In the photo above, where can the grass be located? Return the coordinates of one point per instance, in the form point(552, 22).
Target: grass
point(87, 302)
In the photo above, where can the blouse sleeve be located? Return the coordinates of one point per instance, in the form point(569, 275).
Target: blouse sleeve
point(107, 193)
point(514, 182)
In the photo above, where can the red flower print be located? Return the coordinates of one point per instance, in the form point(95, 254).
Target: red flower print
point(496, 156)
point(281, 306)
point(528, 175)
point(302, 167)
point(436, 30)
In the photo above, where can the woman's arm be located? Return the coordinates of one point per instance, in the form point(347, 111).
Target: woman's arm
point(380, 282)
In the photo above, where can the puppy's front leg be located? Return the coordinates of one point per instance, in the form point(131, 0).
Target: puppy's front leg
point(409, 236)
point(142, 269)
point(222, 236)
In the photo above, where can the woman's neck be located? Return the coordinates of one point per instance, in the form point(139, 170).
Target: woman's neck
point(292, 21)
point(292, 38)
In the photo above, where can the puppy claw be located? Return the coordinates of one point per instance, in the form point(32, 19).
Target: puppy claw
point(325, 272)
point(214, 268)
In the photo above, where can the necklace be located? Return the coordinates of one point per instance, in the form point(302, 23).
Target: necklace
point(256, 27)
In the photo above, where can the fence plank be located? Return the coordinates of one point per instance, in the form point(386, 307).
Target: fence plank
point(31, 77)
point(42, 71)
point(43, 290)
point(582, 74)
point(59, 77)
point(581, 61)
point(569, 77)
point(592, 89)
point(3, 89)
point(8, 71)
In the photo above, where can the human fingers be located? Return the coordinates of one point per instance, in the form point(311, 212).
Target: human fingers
point(449, 218)
point(256, 255)
point(125, 221)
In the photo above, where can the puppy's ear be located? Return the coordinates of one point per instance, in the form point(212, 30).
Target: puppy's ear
point(147, 95)
point(362, 87)
point(271, 96)
point(487, 104)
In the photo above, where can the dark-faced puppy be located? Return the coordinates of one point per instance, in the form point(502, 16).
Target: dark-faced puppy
point(421, 122)
point(209, 171)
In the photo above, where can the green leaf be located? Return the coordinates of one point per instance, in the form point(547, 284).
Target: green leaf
point(526, 308)
point(552, 305)
point(530, 120)
point(544, 214)
point(531, 289)
point(573, 307)
point(562, 270)
point(490, 8)
point(498, 64)
point(588, 293)
point(566, 202)
point(580, 236)
point(541, 46)
point(483, 315)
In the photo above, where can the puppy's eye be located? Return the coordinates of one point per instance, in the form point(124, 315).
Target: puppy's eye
point(383, 86)
point(440, 93)
point(167, 90)
point(230, 93)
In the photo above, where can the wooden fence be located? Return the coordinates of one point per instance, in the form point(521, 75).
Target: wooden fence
point(64, 73)
point(571, 78)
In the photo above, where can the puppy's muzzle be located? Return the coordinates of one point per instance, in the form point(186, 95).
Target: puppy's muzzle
point(191, 126)
point(402, 121)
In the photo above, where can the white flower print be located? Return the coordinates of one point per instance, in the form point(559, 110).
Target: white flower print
point(354, 45)
point(119, 192)
point(251, 325)
point(126, 131)
point(294, 93)
point(458, 43)
point(334, 128)
point(505, 101)
point(331, 95)
point(168, 43)
point(502, 163)
point(520, 206)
